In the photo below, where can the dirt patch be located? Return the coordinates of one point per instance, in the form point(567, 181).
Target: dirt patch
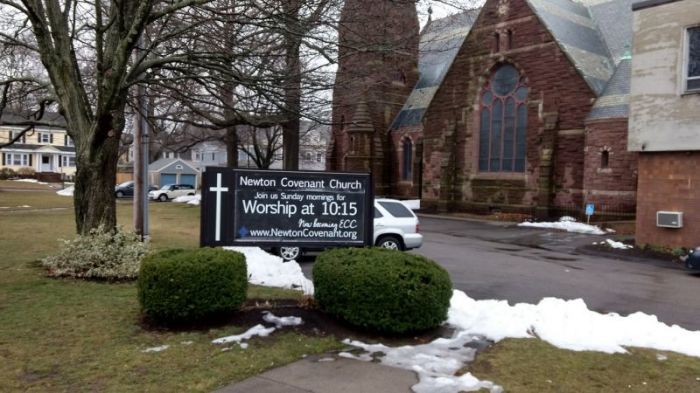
point(316, 323)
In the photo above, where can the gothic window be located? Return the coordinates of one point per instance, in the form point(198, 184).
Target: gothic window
point(503, 122)
point(407, 161)
point(509, 39)
point(692, 76)
point(604, 159)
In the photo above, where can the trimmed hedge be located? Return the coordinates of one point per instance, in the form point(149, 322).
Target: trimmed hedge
point(382, 290)
point(180, 286)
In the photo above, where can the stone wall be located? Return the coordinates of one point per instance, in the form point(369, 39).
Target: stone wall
point(611, 188)
point(668, 182)
point(559, 100)
point(377, 67)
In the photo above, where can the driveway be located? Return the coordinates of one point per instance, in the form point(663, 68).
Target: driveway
point(491, 260)
point(497, 261)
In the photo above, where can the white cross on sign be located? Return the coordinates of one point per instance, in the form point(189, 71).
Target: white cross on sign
point(218, 190)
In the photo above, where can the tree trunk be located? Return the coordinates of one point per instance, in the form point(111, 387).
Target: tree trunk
point(95, 179)
point(292, 89)
point(231, 147)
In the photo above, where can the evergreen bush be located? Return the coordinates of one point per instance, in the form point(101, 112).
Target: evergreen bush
point(387, 291)
point(101, 254)
point(182, 286)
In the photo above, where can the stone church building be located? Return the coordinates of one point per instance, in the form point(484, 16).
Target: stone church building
point(520, 106)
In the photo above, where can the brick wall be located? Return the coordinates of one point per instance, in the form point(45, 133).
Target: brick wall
point(612, 188)
point(668, 182)
point(381, 79)
point(558, 101)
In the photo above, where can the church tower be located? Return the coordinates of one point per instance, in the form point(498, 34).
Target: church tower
point(377, 69)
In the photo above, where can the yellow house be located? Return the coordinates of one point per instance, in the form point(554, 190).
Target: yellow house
point(42, 149)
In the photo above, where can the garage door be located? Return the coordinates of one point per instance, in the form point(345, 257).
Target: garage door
point(167, 178)
point(189, 179)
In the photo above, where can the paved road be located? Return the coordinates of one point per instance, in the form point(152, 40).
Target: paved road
point(497, 261)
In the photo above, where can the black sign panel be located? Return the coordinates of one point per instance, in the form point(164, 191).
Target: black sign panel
point(268, 208)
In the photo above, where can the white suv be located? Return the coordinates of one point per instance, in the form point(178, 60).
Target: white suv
point(395, 227)
point(171, 191)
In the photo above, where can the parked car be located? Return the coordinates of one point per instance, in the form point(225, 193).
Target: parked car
point(126, 189)
point(396, 227)
point(171, 191)
point(692, 260)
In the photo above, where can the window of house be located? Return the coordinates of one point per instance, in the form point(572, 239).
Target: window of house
point(407, 161)
point(496, 42)
point(68, 141)
point(503, 122)
point(604, 159)
point(13, 135)
point(196, 156)
point(319, 157)
point(18, 159)
point(308, 156)
point(213, 156)
point(692, 75)
point(68, 160)
point(45, 137)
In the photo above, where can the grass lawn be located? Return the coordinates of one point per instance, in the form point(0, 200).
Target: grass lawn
point(531, 365)
point(67, 335)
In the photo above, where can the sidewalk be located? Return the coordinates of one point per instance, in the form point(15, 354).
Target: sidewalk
point(328, 374)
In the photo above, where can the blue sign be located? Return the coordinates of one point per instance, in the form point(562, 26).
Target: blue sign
point(590, 208)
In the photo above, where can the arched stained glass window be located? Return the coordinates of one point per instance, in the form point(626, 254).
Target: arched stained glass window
point(407, 162)
point(503, 122)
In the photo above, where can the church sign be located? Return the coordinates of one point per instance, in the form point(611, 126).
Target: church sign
point(247, 207)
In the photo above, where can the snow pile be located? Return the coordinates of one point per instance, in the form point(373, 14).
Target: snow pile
point(30, 181)
point(619, 245)
point(156, 349)
point(566, 224)
point(68, 191)
point(281, 321)
point(413, 204)
point(270, 270)
point(257, 330)
point(569, 324)
point(435, 363)
point(189, 199)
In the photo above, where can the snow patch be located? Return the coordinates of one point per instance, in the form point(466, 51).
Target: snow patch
point(156, 349)
point(281, 321)
point(68, 191)
point(189, 199)
point(569, 324)
point(618, 245)
point(435, 363)
point(257, 330)
point(30, 181)
point(565, 224)
point(270, 270)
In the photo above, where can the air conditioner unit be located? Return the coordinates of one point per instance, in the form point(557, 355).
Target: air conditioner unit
point(669, 219)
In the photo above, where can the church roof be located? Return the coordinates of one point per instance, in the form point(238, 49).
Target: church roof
point(594, 34)
point(577, 33)
point(440, 41)
point(614, 102)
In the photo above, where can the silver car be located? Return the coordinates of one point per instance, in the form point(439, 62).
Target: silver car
point(396, 227)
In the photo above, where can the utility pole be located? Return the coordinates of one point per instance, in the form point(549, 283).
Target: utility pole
point(141, 143)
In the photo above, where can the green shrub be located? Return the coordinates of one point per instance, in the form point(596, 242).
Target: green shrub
point(7, 173)
point(180, 286)
point(101, 254)
point(26, 172)
point(382, 290)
